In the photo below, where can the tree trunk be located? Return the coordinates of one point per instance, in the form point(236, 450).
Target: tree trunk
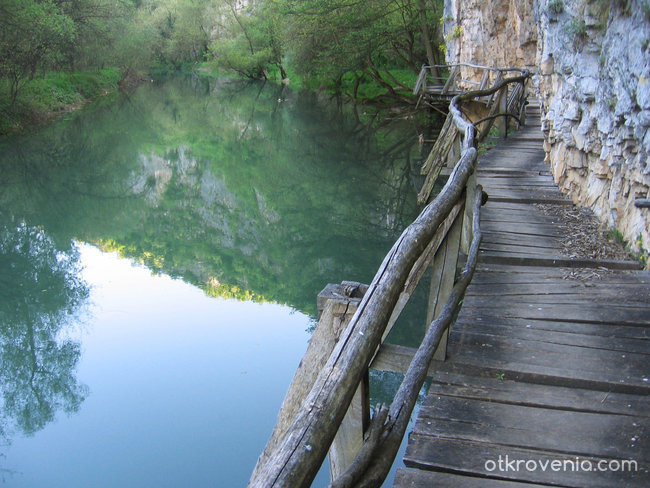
point(426, 36)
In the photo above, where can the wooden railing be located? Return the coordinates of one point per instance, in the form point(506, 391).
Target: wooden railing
point(461, 78)
point(505, 100)
point(327, 405)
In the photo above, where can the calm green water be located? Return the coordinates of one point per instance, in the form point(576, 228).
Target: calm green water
point(160, 257)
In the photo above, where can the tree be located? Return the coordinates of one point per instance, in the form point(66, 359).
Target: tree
point(249, 39)
point(31, 32)
point(180, 29)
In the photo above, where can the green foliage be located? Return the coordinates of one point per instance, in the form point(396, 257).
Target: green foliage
point(454, 33)
point(31, 33)
point(576, 29)
point(329, 44)
point(320, 42)
point(55, 92)
point(642, 253)
point(555, 6)
point(617, 236)
point(637, 250)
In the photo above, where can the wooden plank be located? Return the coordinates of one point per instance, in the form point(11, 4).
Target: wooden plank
point(564, 290)
point(538, 428)
point(611, 330)
point(517, 274)
point(559, 262)
point(526, 249)
point(553, 364)
point(431, 453)
point(596, 313)
point(495, 238)
point(550, 296)
point(594, 341)
point(442, 280)
point(522, 197)
point(531, 229)
point(533, 395)
point(410, 478)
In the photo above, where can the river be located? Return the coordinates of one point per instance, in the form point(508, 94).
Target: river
point(160, 257)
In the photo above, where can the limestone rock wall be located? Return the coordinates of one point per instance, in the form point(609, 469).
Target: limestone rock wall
point(592, 59)
point(493, 32)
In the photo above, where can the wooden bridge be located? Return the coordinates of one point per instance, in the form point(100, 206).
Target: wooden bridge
point(549, 359)
point(544, 372)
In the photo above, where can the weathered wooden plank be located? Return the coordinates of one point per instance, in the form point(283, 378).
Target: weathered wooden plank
point(528, 250)
point(531, 229)
point(608, 342)
point(500, 238)
point(558, 262)
point(521, 215)
point(509, 180)
point(534, 395)
point(521, 426)
point(443, 276)
point(542, 362)
point(611, 330)
point(567, 290)
point(522, 196)
point(430, 453)
point(491, 272)
point(411, 478)
point(596, 313)
point(550, 296)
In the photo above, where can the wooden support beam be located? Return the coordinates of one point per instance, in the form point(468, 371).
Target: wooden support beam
point(451, 81)
point(336, 306)
point(442, 280)
point(502, 122)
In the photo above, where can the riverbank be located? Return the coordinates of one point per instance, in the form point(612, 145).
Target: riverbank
point(43, 99)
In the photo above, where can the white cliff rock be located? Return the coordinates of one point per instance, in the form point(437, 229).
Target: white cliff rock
point(592, 65)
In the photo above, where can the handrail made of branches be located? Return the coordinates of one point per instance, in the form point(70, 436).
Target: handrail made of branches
point(454, 69)
point(295, 460)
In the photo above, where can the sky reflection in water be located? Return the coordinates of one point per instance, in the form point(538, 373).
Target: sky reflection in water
point(182, 386)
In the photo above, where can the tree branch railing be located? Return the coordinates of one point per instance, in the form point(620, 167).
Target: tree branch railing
point(506, 104)
point(461, 78)
point(354, 322)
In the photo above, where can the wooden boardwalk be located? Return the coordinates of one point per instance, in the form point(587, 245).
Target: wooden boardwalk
point(548, 370)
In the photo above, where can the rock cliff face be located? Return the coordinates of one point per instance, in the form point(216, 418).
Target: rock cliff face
point(592, 65)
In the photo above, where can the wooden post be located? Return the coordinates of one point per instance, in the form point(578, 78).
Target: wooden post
point(484, 81)
point(443, 279)
point(349, 438)
point(336, 306)
point(451, 81)
point(503, 108)
point(468, 217)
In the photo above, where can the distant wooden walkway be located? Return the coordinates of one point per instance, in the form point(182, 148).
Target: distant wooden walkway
point(548, 369)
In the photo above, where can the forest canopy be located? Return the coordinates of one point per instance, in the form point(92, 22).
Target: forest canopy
point(321, 43)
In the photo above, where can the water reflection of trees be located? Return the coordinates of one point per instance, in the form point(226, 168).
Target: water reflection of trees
point(42, 294)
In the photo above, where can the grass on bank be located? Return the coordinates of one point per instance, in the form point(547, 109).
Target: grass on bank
point(53, 93)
